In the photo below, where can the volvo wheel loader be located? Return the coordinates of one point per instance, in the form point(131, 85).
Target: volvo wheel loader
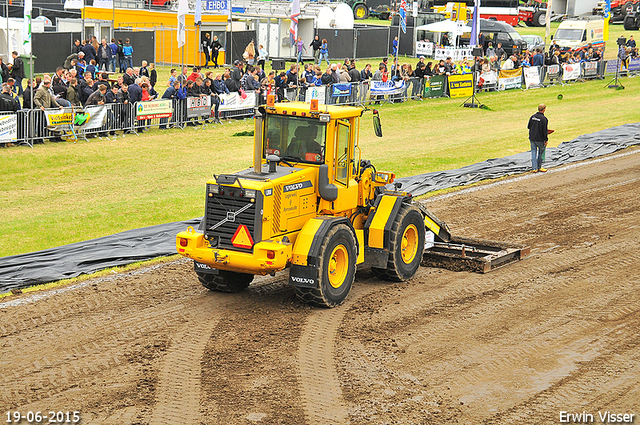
point(310, 203)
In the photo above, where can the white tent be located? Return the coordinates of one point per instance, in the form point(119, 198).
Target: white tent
point(456, 27)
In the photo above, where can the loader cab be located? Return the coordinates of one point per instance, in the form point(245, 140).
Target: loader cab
point(325, 139)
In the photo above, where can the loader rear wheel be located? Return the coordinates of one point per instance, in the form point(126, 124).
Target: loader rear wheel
point(406, 245)
point(360, 11)
point(225, 281)
point(336, 271)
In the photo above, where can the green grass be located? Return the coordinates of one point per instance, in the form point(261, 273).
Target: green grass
point(60, 193)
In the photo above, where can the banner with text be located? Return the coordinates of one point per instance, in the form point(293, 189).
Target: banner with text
point(8, 128)
point(315, 92)
point(461, 85)
point(154, 109)
point(218, 7)
point(531, 77)
point(570, 71)
point(590, 69)
point(198, 107)
point(338, 90)
point(510, 79)
point(379, 88)
point(425, 48)
point(92, 117)
point(488, 79)
point(434, 86)
point(233, 101)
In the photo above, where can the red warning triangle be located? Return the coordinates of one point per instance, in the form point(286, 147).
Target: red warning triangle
point(242, 238)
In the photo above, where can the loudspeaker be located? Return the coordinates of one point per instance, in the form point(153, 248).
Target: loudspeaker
point(621, 41)
point(277, 64)
point(477, 51)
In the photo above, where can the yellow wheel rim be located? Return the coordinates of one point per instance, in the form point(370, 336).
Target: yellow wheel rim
point(360, 12)
point(409, 244)
point(338, 266)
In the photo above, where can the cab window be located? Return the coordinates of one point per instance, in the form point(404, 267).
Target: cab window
point(295, 138)
point(342, 153)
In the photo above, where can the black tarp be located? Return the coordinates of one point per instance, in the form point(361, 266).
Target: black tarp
point(72, 260)
point(236, 43)
point(143, 43)
point(583, 147)
point(51, 49)
point(67, 261)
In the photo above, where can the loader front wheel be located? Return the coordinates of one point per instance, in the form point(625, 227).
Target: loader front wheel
point(336, 271)
point(225, 281)
point(406, 245)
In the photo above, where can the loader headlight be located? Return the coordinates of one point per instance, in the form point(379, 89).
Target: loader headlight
point(249, 193)
point(214, 188)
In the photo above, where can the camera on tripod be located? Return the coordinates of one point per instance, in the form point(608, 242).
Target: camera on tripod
point(621, 41)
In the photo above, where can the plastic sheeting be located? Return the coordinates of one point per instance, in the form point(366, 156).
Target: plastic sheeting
point(67, 261)
point(72, 260)
point(583, 147)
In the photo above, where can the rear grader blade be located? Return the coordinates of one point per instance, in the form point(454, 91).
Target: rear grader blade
point(466, 254)
point(477, 255)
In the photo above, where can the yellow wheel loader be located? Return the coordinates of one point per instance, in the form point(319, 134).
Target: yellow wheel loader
point(310, 203)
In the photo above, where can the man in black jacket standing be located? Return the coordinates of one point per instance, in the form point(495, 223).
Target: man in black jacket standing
point(17, 71)
point(538, 136)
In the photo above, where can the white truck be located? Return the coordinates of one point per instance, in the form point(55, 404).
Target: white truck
point(574, 34)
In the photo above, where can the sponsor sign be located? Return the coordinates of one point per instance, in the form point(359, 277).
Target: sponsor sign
point(424, 48)
point(434, 86)
point(453, 53)
point(531, 77)
point(8, 128)
point(461, 85)
point(315, 92)
point(488, 79)
point(220, 7)
point(341, 90)
point(510, 79)
point(92, 117)
point(302, 281)
point(154, 109)
point(59, 118)
point(200, 267)
point(378, 88)
point(570, 71)
point(613, 66)
point(553, 71)
point(590, 69)
point(233, 101)
point(634, 64)
point(198, 106)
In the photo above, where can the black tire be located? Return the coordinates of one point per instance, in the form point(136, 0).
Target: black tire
point(630, 24)
point(384, 16)
point(360, 11)
point(539, 18)
point(225, 281)
point(339, 245)
point(528, 23)
point(402, 264)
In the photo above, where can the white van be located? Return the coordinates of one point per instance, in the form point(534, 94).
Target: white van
point(576, 33)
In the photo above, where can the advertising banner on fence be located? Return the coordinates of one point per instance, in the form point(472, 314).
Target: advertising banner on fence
point(613, 66)
point(234, 102)
point(434, 86)
point(198, 107)
point(553, 72)
point(386, 87)
point(590, 69)
point(340, 90)
point(531, 77)
point(92, 117)
point(59, 119)
point(8, 128)
point(461, 85)
point(315, 92)
point(510, 79)
point(570, 71)
point(634, 64)
point(154, 109)
point(488, 79)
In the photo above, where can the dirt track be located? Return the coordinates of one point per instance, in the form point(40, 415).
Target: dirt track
point(557, 332)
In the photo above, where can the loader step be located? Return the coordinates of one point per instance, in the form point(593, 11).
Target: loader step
point(467, 254)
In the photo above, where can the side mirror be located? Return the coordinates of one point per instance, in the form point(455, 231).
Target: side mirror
point(377, 126)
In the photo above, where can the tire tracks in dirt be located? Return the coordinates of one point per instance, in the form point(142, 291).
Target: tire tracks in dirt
point(320, 388)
